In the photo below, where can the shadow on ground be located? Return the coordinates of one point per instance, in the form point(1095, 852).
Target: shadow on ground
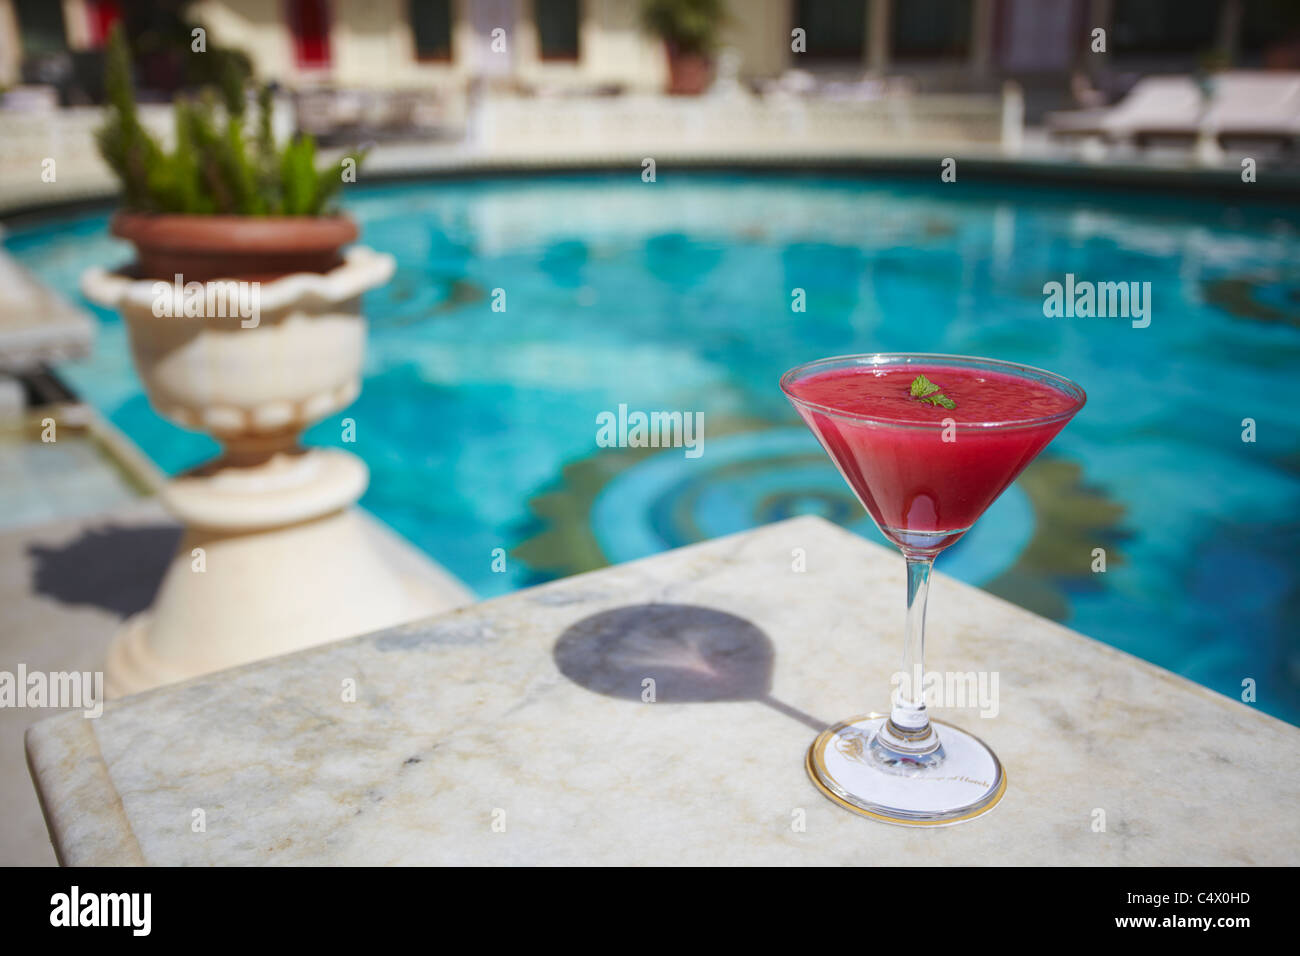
point(116, 568)
point(692, 654)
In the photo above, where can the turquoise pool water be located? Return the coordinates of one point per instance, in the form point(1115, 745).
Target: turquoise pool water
point(480, 425)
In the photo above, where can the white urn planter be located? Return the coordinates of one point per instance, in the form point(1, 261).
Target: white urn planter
point(274, 556)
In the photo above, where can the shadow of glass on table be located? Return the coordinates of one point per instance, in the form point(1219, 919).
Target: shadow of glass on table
point(673, 654)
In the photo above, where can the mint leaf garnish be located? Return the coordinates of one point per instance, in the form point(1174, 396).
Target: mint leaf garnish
point(924, 390)
point(922, 386)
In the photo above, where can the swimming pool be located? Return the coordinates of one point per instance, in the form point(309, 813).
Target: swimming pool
point(479, 426)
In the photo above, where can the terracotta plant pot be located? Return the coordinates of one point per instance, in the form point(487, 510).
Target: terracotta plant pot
point(689, 74)
point(251, 248)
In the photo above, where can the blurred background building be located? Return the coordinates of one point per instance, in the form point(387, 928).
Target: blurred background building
point(600, 45)
point(452, 82)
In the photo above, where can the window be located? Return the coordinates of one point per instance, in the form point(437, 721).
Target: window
point(834, 29)
point(1165, 26)
point(310, 22)
point(431, 27)
point(40, 26)
point(557, 28)
point(931, 29)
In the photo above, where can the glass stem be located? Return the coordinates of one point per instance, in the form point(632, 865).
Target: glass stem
point(908, 713)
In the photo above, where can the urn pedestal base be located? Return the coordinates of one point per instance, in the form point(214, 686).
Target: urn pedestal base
point(274, 558)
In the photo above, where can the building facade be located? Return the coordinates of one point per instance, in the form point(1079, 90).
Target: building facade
point(594, 44)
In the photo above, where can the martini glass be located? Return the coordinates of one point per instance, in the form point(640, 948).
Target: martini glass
point(927, 443)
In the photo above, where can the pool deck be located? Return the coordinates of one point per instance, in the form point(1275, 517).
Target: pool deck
point(517, 731)
point(1037, 163)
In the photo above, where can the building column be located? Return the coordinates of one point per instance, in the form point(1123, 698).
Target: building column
point(11, 45)
point(76, 24)
point(878, 25)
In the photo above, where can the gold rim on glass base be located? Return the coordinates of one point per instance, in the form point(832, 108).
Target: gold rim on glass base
point(968, 783)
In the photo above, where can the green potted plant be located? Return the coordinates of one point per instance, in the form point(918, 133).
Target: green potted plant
point(689, 30)
point(222, 203)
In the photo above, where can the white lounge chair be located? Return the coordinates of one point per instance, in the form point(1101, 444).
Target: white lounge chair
point(1254, 105)
point(1156, 106)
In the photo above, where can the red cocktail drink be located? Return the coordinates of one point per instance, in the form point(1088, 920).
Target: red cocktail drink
point(923, 471)
point(927, 442)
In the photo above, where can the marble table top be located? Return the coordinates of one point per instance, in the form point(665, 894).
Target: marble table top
point(516, 731)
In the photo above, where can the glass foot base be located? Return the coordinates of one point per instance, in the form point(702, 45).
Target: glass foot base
point(968, 782)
